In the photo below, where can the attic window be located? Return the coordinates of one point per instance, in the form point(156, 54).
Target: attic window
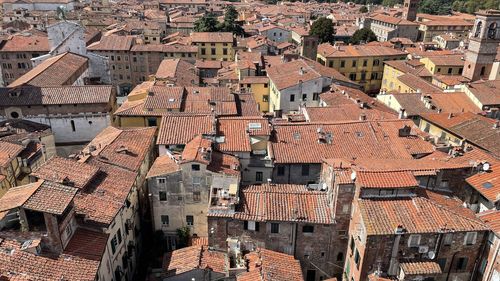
point(14, 94)
point(171, 100)
point(296, 136)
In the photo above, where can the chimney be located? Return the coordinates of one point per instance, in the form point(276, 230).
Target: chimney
point(301, 71)
point(362, 117)
point(401, 113)
point(450, 115)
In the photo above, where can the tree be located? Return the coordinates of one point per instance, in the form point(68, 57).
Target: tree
point(435, 7)
point(207, 23)
point(183, 233)
point(363, 35)
point(391, 3)
point(323, 28)
point(230, 23)
point(363, 9)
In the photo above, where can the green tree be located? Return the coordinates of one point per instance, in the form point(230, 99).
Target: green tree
point(183, 234)
point(435, 7)
point(323, 28)
point(208, 23)
point(230, 23)
point(363, 9)
point(363, 35)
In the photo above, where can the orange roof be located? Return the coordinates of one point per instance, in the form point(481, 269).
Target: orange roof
point(298, 143)
point(66, 171)
point(212, 37)
point(163, 165)
point(267, 265)
point(51, 197)
point(55, 71)
point(271, 202)
point(180, 129)
point(198, 150)
point(23, 43)
point(416, 215)
point(349, 51)
point(87, 244)
point(8, 152)
point(162, 97)
point(16, 196)
point(113, 43)
point(237, 132)
point(487, 183)
point(192, 258)
point(420, 268)
point(394, 179)
point(492, 219)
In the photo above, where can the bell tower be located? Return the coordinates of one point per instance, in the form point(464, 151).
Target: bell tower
point(410, 10)
point(483, 43)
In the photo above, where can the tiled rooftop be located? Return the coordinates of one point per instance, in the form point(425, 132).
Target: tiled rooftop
point(51, 198)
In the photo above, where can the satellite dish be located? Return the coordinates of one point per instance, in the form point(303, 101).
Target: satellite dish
point(486, 166)
point(431, 255)
point(353, 175)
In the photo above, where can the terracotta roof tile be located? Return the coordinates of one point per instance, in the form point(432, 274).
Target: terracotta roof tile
point(393, 179)
point(420, 268)
point(237, 132)
point(212, 37)
point(177, 71)
point(492, 219)
point(87, 244)
point(162, 97)
point(192, 258)
point(163, 165)
point(51, 198)
point(24, 43)
point(16, 262)
point(113, 43)
point(55, 71)
point(487, 92)
point(28, 95)
point(271, 266)
point(348, 51)
point(416, 215)
point(179, 129)
point(272, 203)
point(8, 152)
point(16, 196)
point(487, 183)
point(298, 143)
point(66, 171)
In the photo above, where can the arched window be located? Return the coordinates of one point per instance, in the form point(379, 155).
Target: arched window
point(492, 31)
point(478, 29)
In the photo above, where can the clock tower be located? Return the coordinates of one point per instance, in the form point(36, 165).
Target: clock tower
point(410, 10)
point(483, 44)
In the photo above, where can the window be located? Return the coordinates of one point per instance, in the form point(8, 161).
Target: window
point(212, 51)
point(304, 97)
point(275, 227)
point(165, 220)
point(305, 170)
point(354, 63)
point(448, 239)
point(330, 63)
point(470, 238)
point(251, 225)
point(197, 180)
point(265, 98)
point(195, 167)
point(450, 70)
point(258, 176)
point(281, 170)
point(439, 70)
point(365, 63)
point(340, 256)
point(376, 62)
point(73, 128)
point(203, 51)
point(308, 229)
point(352, 76)
point(113, 243)
point(224, 51)
point(119, 236)
point(462, 263)
point(14, 114)
point(315, 96)
point(265, 85)
point(352, 244)
point(197, 196)
point(162, 180)
point(414, 240)
point(442, 263)
point(189, 220)
point(292, 97)
point(363, 76)
point(342, 63)
point(356, 258)
point(162, 195)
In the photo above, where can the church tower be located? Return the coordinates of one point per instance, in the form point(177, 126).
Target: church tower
point(483, 44)
point(410, 10)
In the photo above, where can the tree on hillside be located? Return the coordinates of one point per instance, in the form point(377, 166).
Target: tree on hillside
point(435, 7)
point(363, 9)
point(363, 35)
point(391, 3)
point(207, 23)
point(323, 28)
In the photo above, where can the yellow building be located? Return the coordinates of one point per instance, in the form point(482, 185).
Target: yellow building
point(258, 86)
point(433, 25)
point(444, 65)
point(395, 69)
point(214, 45)
point(10, 168)
point(363, 64)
